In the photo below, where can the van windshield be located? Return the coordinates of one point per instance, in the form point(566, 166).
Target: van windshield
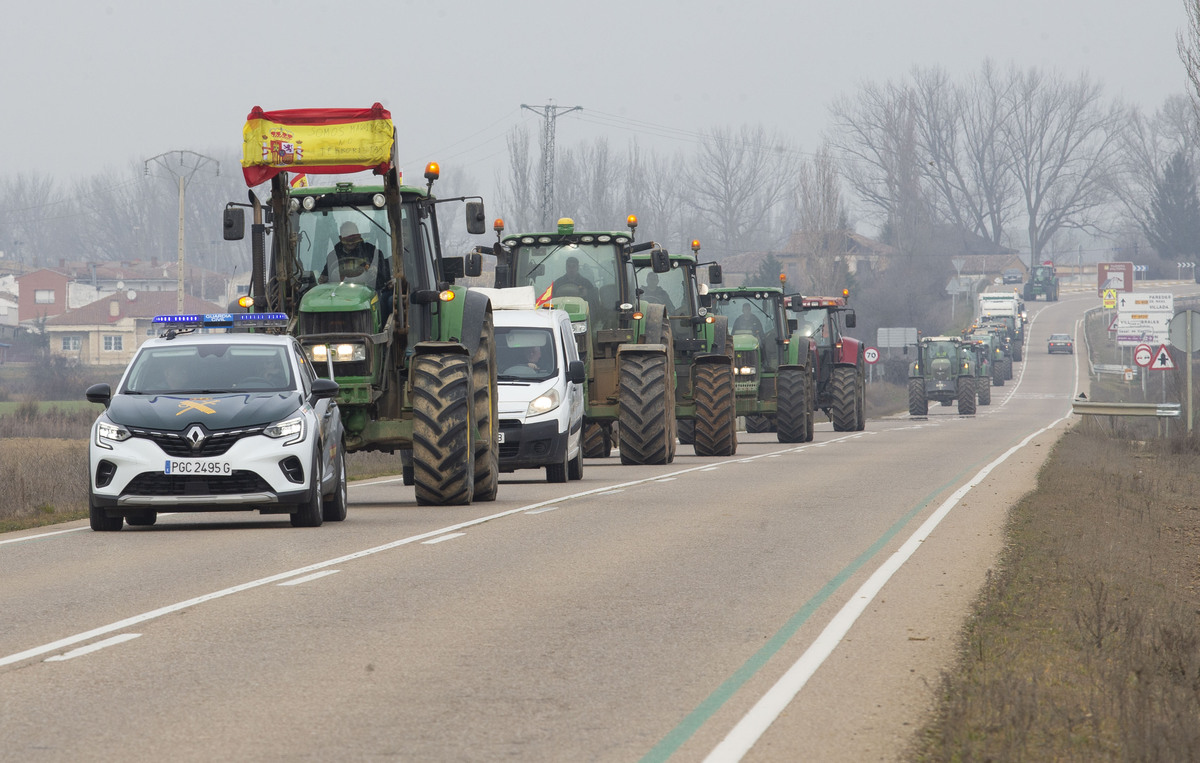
point(525, 354)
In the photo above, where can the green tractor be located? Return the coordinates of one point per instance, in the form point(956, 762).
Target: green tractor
point(626, 344)
point(981, 348)
point(1043, 282)
point(773, 363)
point(705, 404)
point(945, 371)
point(999, 351)
point(359, 269)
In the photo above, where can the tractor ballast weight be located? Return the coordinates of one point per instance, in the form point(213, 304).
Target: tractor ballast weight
point(773, 364)
point(841, 379)
point(626, 345)
point(411, 351)
point(705, 401)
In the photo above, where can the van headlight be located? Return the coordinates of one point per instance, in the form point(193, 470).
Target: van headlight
point(290, 431)
point(543, 403)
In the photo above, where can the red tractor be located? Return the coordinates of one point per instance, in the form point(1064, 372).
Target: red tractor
point(840, 368)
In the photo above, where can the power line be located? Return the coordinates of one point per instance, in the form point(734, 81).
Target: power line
point(550, 113)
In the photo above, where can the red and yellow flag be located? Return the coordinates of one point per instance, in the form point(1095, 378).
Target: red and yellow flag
point(300, 181)
point(320, 141)
point(544, 300)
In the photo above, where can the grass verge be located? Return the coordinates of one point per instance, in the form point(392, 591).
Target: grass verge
point(1084, 644)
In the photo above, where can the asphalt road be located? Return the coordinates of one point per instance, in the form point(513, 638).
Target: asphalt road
point(787, 603)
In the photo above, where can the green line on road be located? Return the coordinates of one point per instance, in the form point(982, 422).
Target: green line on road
point(698, 717)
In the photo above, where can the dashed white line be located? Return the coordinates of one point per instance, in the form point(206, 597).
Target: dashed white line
point(308, 578)
point(92, 647)
point(439, 539)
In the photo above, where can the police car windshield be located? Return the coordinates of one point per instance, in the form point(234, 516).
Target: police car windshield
point(210, 369)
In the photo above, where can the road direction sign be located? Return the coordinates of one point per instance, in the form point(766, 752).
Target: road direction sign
point(1142, 355)
point(871, 355)
point(1162, 360)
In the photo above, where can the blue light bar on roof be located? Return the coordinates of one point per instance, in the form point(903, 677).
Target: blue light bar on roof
point(223, 320)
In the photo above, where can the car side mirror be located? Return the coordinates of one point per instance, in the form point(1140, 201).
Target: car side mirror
point(476, 219)
point(576, 372)
point(323, 389)
point(99, 393)
point(233, 223)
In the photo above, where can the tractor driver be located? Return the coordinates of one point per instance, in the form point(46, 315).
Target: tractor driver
point(354, 260)
point(574, 284)
point(748, 323)
point(656, 293)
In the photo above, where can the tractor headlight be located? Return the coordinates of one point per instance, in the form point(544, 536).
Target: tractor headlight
point(544, 403)
point(319, 353)
point(579, 327)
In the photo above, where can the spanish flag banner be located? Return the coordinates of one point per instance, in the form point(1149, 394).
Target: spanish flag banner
point(547, 295)
point(300, 181)
point(316, 141)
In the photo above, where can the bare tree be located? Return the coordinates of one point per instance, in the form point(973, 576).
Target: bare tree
point(1060, 142)
point(654, 191)
point(823, 224)
point(1188, 44)
point(1147, 144)
point(740, 182)
point(516, 194)
point(959, 130)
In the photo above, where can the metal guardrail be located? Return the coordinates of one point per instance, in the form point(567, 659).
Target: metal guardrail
point(1160, 410)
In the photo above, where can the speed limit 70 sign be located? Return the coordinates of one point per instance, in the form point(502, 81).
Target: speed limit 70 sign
point(871, 355)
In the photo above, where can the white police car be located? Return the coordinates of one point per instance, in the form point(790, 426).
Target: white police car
point(217, 422)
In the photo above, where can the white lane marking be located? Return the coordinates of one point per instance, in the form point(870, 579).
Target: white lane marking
point(543, 510)
point(60, 532)
point(92, 647)
point(752, 726)
point(153, 614)
point(709, 469)
point(611, 492)
point(451, 536)
point(666, 479)
point(309, 578)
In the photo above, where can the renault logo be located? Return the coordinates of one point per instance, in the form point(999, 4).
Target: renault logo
point(195, 436)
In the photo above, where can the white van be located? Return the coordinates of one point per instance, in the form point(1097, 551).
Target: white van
point(541, 386)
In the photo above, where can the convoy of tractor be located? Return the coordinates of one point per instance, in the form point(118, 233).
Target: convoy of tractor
point(666, 353)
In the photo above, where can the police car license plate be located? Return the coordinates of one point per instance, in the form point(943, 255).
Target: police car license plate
point(193, 466)
point(500, 438)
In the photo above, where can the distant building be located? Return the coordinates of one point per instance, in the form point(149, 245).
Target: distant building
point(107, 331)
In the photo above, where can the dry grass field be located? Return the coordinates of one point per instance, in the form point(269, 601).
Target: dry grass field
point(1085, 643)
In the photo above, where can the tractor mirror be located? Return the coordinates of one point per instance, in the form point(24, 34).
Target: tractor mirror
point(476, 219)
point(705, 300)
point(473, 266)
point(660, 260)
point(452, 268)
point(234, 223)
point(714, 273)
point(793, 325)
point(851, 321)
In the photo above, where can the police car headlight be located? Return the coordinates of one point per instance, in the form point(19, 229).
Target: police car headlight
point(579, 327)
point(290, 431)
point(544, 403)
point(108, 433)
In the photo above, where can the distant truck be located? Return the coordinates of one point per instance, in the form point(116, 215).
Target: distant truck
point(1007, 308)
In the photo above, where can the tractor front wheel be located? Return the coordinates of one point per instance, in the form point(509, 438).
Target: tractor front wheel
point(918, 401)
point(793, 416)
point(715, 425)
point(844, 410)
point(443, 445)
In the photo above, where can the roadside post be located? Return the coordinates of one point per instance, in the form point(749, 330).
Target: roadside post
point(1184, 333)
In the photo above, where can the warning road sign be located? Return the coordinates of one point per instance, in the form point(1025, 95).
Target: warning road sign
point(1162, 360)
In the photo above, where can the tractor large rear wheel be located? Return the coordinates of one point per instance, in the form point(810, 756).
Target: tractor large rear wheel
point(844, 410)
point(715, 425)
point(597, 440)
point(487, 416)
point(443, 444)
point(861, 384)
point(644, 427)
point(918, 402)
point(966, 395)
point(793, 416)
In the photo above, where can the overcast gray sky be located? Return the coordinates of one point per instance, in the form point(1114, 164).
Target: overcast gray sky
point(93, 85)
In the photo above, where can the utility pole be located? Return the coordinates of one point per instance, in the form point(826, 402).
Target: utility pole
point(181, 165)
point(549, 112)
